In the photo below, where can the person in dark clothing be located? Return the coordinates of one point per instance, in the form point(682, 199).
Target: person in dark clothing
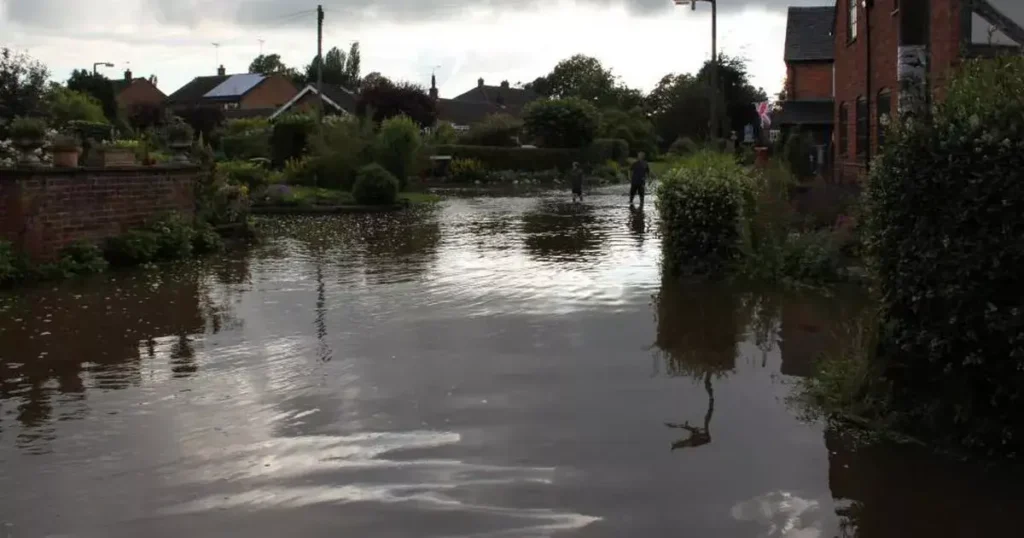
point(639, 171)
point(576, 181)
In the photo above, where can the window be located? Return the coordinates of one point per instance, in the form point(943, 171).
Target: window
point(863, 137)
point(844, 129)
point(884, 111)
point(851, 21)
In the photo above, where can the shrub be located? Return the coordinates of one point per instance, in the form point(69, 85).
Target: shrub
point(701, 204)
point(219, 202)
point(375, 186)
point(205, 239)
point(494, 130)
point(518, 159)
point(945, 217)
point(174, 238)
point(64, 105)
point(28, 129)
point(179, 132)
point(337, 153)
point(82, 258)
point(396, 147)
point(9, 266)
point(467, 171)
point(444, 134)
point(249, 145)
point(683, 146)
point(561, 123)
point(134, 247)
point(245, 173)
point(798, 152)
point(609, 172)
point(603, 150)
point(289, 137)
point(91, 131)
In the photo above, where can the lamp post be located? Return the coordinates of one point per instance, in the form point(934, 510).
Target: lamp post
point(714, 58)
point(95, 65)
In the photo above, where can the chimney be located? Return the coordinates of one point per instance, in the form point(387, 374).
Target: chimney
point(480, 82)
point(504, 84)
point(128, 75)
point(221, 71)
point(433, 87)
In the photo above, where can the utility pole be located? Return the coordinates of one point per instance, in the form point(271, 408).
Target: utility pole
point(320, 57)
point(715, 120)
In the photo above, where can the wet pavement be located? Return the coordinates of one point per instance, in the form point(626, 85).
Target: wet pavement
point(489, 367)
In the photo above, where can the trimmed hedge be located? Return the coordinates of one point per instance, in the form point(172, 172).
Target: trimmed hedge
point(945, 208)
point(518, 159)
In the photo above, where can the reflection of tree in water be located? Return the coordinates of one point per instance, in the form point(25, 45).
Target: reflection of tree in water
point(399, 245)
point(59, 345)
point(698, 329)
point(562, 231)
point(760, 311)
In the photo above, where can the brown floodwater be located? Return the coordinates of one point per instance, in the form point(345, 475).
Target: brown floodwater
point(490, 367)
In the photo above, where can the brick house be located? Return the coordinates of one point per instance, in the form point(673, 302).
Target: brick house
point(938, 34)
point(248, 94)
point(130, 92)
point(809, 55)
point(337, 100)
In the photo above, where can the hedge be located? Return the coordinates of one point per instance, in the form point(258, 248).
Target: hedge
point(603, 150)
point(289, 137)
point(945, 215)
point(518, 159)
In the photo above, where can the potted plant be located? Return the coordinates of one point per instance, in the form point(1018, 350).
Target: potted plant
point(65, 149)
point(28, 135)
point(116, 153)
point(179, 138)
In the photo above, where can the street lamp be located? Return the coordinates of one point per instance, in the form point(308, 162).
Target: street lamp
point(714, 58)
point(97, 64)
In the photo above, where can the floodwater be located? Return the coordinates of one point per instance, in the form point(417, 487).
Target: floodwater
point(490, 367)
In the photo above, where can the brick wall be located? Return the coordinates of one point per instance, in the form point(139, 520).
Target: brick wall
point(809, 80)
point(852, 60)
point(44, 209)
point(274, 92)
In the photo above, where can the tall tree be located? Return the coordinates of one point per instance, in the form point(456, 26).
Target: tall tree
point(340, 69)
point(98, 86)
point(271, 64)
point(585, 78)
point(22, 85)
point(64, 105)
point(387, 99)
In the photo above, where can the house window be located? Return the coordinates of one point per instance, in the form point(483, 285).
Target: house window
point(862, 127)
point(884, 109)
point(844, 129)
point(851, 21)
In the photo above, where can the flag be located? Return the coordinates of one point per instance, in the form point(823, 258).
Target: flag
point(764, 109)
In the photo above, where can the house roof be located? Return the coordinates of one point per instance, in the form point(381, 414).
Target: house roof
point(196, 89)
point(338, 97)
point(121, 85)
point(235, 86)
point(513, 97)
point(809, 34)
point(468, 112)
point(806, 112)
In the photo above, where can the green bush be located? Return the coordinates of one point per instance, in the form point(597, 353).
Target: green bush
point(81, 258)
point(396, 147)
point(245, 173)
point(702, 204)
point(336, 154)
point(174, 238)
point(683, 146)
point(518, 159)
point(945, 218)
point(246, 146)
point(467, 171)
point(603, 150)
point(609, 172)
point(289, 137)
point(561, 123)
point(494, 130)
point(205, 239)
point(134, 247)
point(375, 186)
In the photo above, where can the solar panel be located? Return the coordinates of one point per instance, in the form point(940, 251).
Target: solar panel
point(235, 85)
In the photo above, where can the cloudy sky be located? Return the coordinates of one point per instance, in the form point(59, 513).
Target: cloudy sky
point(515, 40)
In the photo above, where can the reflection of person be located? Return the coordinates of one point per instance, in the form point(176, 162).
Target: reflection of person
point(636, 221)
point(639, 171)
point(576, 180)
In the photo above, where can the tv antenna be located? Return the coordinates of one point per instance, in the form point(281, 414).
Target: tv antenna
point(216, 47)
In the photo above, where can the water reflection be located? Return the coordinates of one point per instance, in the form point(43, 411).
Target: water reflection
point(562, 231)
point(638, 225)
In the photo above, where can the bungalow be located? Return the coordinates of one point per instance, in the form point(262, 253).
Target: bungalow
point(130, 92)
point(248, 94)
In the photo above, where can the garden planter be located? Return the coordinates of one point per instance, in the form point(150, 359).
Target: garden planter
point(181, 150)
point(27, 151)
point(111, 157)
point(65, 158)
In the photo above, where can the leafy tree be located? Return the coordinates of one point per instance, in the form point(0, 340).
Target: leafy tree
point(387, 99)
point(339, 68)
point(633, 126)
point(586, 78)
point(396, 147)
point(271, 64)
point(64, 105)
point(22, 85)
point(562, 123)
point(96, 85)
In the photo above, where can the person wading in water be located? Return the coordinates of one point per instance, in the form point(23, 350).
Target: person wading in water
point(639, 171)
point(576, 181)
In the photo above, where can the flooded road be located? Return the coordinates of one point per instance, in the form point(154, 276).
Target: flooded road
point(490, 367)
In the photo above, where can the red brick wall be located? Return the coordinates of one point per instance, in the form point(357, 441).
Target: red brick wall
point(140, 92)
point(43, 210)
point(809, 80)
point(851, 66)
point(275, 91)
